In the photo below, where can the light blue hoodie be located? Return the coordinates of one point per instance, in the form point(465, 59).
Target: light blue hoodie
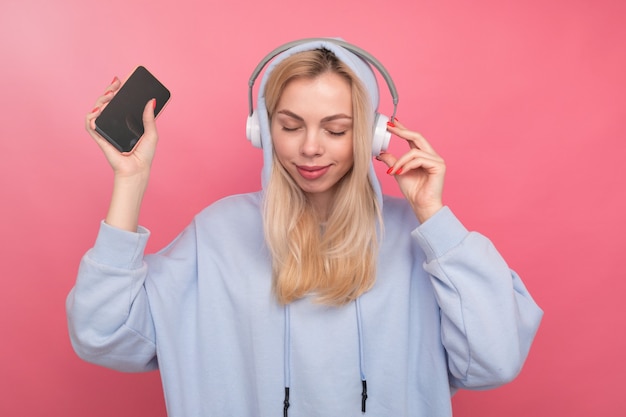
point(446, 312)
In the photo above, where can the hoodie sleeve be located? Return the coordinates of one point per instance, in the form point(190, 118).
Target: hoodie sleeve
point(488, 318)
point(109, 318)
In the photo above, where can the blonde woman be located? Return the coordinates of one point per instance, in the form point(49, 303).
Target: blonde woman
point(316, 296)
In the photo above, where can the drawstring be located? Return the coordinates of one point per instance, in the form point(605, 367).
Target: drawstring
point(286, 403)
point(287, 357)
point(363, 395)
point(359, 325)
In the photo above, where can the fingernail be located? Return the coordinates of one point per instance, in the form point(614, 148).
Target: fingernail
point(398, 172)
point(390, 124)
point(389, 170)
point(114, 79)
point(153, 103)
point(108, 92)
point(395, 119)
point(95, 109)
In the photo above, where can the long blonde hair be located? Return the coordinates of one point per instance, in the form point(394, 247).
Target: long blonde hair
point(335, 261)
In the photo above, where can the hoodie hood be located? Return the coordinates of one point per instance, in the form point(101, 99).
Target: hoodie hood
point(358, 65)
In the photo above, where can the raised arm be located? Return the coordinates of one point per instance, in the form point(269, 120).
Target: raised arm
point(109, 317)
point(131, 170)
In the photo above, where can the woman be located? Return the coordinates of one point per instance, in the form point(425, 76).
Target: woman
point(316, 296)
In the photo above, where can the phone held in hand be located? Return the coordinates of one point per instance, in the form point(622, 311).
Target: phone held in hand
point(121, 121)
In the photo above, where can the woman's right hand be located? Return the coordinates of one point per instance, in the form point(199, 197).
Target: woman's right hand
point(132, 169)
point(139, 160)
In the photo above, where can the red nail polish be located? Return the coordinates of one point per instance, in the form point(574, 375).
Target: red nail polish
point(154, 104)
point(398, 172)
point(390, 124)
point(389, 170)
point(108, 92)
point(114, 79)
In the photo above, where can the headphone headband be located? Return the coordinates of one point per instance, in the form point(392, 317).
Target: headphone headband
point(352, 48)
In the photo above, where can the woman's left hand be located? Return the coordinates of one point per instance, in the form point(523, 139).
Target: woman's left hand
point(419, 172)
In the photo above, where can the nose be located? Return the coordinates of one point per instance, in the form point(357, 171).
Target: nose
point(312, 144)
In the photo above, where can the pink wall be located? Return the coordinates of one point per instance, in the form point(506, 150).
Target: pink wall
point(525, 100)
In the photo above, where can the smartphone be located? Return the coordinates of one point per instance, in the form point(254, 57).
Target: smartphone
point(121, 121)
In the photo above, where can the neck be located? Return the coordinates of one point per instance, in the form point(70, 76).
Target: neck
point(321, 203)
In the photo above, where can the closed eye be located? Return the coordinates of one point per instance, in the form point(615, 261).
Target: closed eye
point(290, 129)
point(333, 133)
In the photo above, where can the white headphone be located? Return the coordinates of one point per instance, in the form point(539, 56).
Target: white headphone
point(380, 137)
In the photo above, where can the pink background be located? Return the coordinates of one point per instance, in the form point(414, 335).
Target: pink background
point(524, 99)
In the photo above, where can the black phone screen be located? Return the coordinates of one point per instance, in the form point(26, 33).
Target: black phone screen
point(121, 121)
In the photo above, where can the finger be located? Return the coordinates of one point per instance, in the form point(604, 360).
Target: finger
point(387, 158)
point(91, 117)
point(114, 85)
point(102, 101)
point(421, 162)
point(418, 153)
point(149, 124)
point(100, 105)
point(91, 128)
point(414, 153)
point(150, 136)
point(415, 159)
point(112, 88)
point(109, 93)
point(415, 139)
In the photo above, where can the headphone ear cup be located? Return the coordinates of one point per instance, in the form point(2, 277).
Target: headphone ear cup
point(381, 136)
point(253, 130)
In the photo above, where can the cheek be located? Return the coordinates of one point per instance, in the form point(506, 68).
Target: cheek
point(277, 142)
point(282, 150)
point(280, 147)
point(345, 151)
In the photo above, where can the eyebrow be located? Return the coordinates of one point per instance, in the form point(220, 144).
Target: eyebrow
point(324, 120)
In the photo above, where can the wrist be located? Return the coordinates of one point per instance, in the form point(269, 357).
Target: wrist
point(128, 192)
point(135, 179)
point(425, 213)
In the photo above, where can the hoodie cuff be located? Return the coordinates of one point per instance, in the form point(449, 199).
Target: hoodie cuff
point(119, 248)
point(439, 234)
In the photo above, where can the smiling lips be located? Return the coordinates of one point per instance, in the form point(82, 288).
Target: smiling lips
point(312, 172)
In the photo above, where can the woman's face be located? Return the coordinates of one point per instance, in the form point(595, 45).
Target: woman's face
point(312, 134)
